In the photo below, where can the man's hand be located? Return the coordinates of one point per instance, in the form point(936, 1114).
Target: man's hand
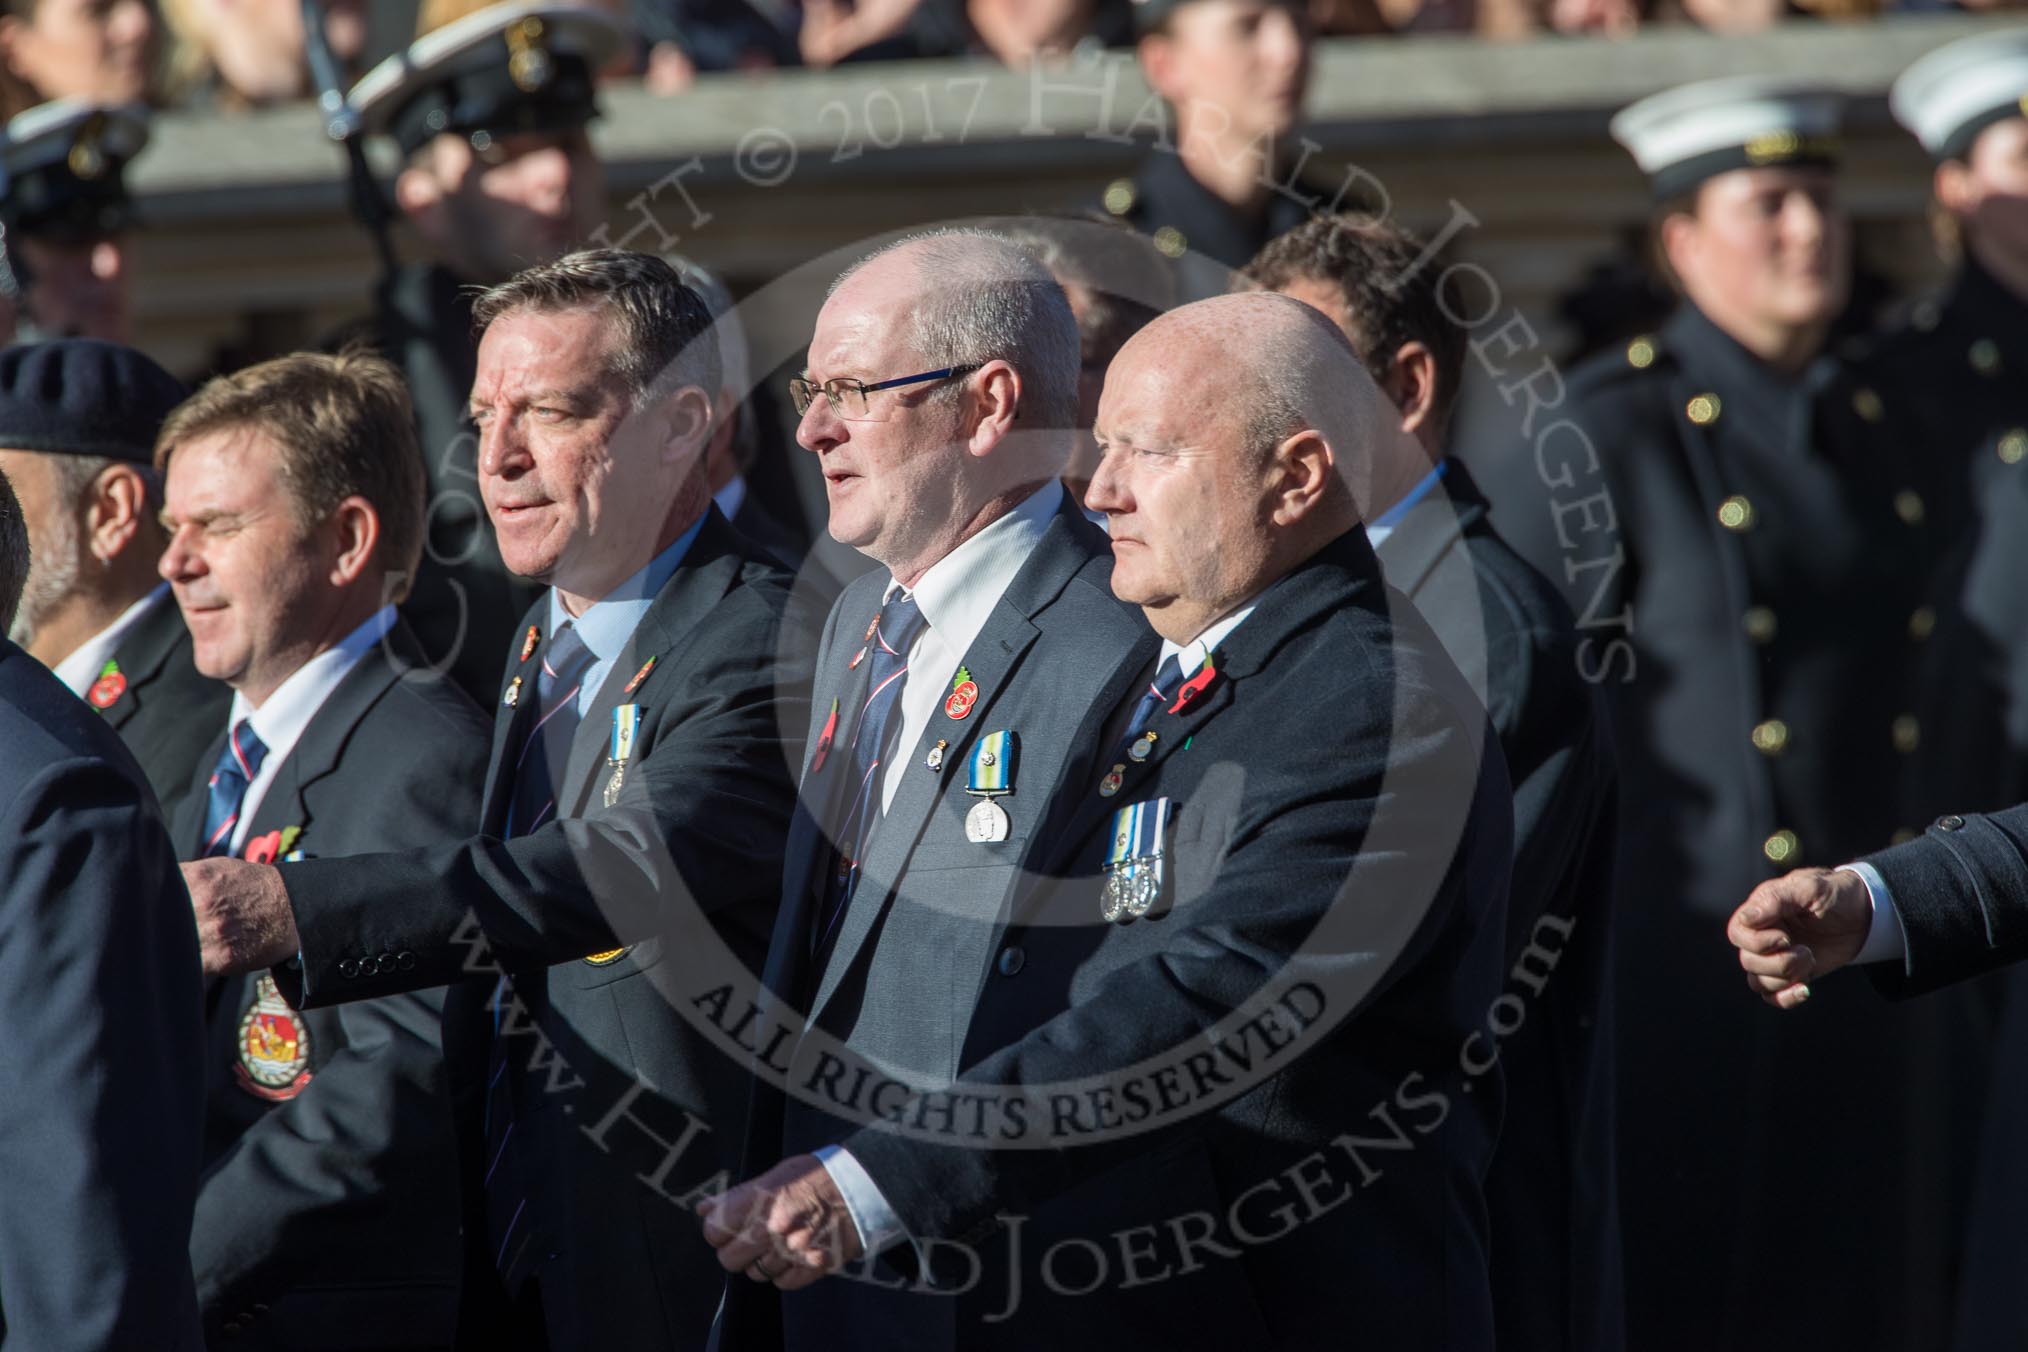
point(1795, 928)
point(789, 1226)
point(243, 918)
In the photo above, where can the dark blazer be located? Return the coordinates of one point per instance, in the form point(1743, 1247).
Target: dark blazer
point(1336, 743)
point(622, 930)
point(327, 1216)
point(101, 1080)
point(1962, 893)
point(1553, 1193)
point(168, 714)
point(1053, 658)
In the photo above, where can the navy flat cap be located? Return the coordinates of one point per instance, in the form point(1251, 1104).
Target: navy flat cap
point(80, 396)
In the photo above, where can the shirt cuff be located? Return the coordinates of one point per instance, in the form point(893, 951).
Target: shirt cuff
point(879, 1228)
point(1885, 941)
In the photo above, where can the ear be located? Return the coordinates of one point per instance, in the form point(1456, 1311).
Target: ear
point(1680, 241)
point(1157, 53)
point(358, 528)
point(686, 425)
point(720, 462)
point(1954, 188)
point(114, 510)
point(995, 401)
point(1412, 387)
point(1300, 473)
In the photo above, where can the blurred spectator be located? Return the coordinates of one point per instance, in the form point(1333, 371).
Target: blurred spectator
point(67, 215)
point(76, 49)
point(682, 37)
point(1116, 284)
point(250, 53)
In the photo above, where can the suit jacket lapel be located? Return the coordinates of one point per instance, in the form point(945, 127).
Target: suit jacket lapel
point(680, 609)
point(510, 725)
point(142, 654)
point(1418, 544)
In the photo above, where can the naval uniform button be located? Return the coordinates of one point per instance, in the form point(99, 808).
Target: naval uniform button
point(1641, 352)
point(1770, 736)
point(1011, 959)
point(1736, 513)
point(1759, 623)
point(348, 967)
point(1119, 198)
point(1704, 409)
point(1922, 623)
point(1866, 403)
point(1901, 837)
point(1985, 357)
point(1170, 242)
point(1908, 506)
point(1953, 822)
point(1907, 734)
point(2013, 446)
point(1780, 847)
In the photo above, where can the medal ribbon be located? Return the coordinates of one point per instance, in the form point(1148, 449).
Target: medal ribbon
point(626, 718)
point(992, 767)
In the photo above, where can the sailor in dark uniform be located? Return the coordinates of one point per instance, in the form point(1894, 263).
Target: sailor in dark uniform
point(489, 112)
point(64, 203)
point(1745, 544)
point(1955, 375)
point(1211, 192)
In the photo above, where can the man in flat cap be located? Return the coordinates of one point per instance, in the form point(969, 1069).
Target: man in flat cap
point(1745, 546)
point(67, 214)
point(77, 436)
point(101, 996)
point(489, 112)
point(1222, 182)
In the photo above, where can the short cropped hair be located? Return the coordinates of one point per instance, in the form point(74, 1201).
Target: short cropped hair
point(344, 427)
point(1394, 292)
point(13, 554)
point(660, 321)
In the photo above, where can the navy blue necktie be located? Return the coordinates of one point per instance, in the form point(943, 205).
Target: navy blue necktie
point(894, 633)
point(516, 1245)
point(1161, 691)
point(226, 793)
point(539, 770)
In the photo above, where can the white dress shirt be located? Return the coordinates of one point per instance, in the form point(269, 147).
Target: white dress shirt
point(82, 667)
point(1885, 942)
point(283, 716)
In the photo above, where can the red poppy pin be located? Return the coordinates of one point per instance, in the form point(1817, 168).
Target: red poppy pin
point(107, 689)
point(640, 676)
point(824, 740)
point(528, 642)
point(1197, 684)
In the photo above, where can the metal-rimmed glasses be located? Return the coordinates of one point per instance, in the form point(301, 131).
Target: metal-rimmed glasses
point(847, 396)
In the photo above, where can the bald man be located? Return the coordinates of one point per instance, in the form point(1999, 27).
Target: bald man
point(1226, 1081)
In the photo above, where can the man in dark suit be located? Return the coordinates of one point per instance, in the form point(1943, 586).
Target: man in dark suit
point(1265, 911)
point(327, 1215)
point(990, 619)
point(101, 1096)
point(1746, 543)
point(637, 802)
point(1553, 1192)
point(77, 423)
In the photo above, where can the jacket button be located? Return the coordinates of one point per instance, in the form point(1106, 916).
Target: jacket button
point(387, 964)
point(1770, 737)
point(1703, 410)
point(1951, 823)
point(232, 1328)
point(1736, 513)
point(348, 968)
point(1908, 506)
point(1760, 624)
point(406, 962)
point(1011, 959)
point(2013, 447)
point(1901, 837)
point(1922, 623)
point(1907, 734)
point(1780, 847)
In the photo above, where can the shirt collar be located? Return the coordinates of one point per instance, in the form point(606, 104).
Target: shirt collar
point(610, 621)
point(280, 720)
point(959, 590)
point(731, 497)
point(1190, 656)
point(83, 666)
point(1383, 525)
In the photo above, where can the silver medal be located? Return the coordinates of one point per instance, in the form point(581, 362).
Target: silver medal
point(613, 784)
point(987, 821)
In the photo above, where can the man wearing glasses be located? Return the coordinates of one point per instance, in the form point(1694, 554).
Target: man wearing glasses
point(953, 688)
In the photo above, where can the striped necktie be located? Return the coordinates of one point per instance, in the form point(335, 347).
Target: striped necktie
point(237, 766)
